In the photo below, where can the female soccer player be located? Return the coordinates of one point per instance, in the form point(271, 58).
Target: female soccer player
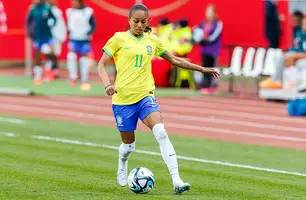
point(133, 92)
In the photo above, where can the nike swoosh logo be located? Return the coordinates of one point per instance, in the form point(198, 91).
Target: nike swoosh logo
point(172, 154)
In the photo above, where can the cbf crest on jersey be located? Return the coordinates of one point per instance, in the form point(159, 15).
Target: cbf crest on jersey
point(149, 50)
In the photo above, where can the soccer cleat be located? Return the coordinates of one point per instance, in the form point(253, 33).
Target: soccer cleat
point(49, 75)
point(270, 84)
point(38, 81)
point(122, 177)
point(181, 187)
point(73, 83)
point(85, 87)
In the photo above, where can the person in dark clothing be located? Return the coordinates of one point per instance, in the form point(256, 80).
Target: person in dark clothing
point(39, 22)
point(272, 24)
point(210, 40)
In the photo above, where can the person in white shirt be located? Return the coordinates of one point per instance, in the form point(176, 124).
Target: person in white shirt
point(59, 32)
point(3, 25)
point(81, 25)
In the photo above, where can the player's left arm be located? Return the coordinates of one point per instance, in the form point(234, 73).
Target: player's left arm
point(29, 21)
point(182, 63)
point(52, 18)
point(92, 23)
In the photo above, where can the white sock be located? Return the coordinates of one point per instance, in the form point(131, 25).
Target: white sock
point(84, 69)
point(48, 64)
point(167, 151)
point(125, 150)
point(72, 65)
point(38, 72)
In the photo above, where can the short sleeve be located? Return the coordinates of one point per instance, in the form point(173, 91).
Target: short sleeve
point(160, 48)
point(111, 46)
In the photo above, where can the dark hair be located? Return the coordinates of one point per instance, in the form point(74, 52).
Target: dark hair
point(183, 23)
point(135, 7)
point(164, 21)
point(298, 14)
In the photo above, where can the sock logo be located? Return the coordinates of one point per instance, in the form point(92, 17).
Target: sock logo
point(171, 154)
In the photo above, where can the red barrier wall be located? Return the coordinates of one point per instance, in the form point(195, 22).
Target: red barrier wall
point(243, 22)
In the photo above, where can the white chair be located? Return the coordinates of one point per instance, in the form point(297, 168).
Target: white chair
point(258, 63)
point(248, 62)
point(270, 63)
point(235, 65)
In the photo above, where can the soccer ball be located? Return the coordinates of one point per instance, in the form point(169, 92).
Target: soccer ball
point(197, 35)
point(141, 180)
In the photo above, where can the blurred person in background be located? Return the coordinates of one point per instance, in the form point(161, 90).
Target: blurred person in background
point(181, 42)
point(39, 22)
point(210, 40)
point(3, 25)
point(59, 32)
point(272, 23)
point(161, 69)
point(81, 25)
point(301, 63)
point(297, 51)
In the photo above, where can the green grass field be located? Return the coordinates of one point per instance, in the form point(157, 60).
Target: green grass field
point(39, 169)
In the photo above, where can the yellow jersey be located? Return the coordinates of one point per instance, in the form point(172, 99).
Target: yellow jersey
point(132, 57)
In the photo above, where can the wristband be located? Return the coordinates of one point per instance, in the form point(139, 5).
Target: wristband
point(107, 86)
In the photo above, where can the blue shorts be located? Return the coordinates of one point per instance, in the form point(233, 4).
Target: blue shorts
point(39, 43)
point(126, 116)
point(79, 47)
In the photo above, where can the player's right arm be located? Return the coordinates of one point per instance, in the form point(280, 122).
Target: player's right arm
point(111, 47)
point(29, 22)
point(109, 88)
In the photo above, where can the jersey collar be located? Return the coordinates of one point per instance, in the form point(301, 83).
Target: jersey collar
point(133, 36)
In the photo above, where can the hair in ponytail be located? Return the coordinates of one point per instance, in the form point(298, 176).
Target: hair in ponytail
point(148, 29)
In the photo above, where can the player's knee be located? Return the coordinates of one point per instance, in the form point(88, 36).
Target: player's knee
point(159, 131)
point(46, 49)
point(84, 59)
point(71, 56)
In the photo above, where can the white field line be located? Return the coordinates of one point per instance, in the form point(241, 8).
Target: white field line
point(12, 120)
point(212, 119)
point(8, 134)
point(68, 141)
point(174, 125)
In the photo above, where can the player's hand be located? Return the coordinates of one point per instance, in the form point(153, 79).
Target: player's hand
point(110, 90)
point(212, 71)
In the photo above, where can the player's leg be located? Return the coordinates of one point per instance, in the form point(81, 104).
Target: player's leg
point(276, 79)
point(126, 148)
point(72, 63)
point(208, 61)
point(301, 67)
point(126, 120)
point(38, 71)
point(48, 50)
point(57, 52)
point(150, 115)
point(85, 65)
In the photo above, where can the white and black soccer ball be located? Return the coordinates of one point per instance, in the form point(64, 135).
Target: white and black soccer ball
point(197, 35)
point(141, 180)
